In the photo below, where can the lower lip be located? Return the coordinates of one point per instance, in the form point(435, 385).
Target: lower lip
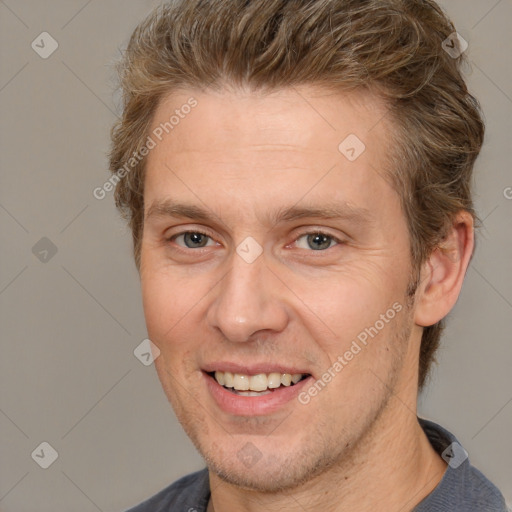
point(253, 405)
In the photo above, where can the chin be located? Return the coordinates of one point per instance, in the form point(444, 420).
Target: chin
point(268, 472)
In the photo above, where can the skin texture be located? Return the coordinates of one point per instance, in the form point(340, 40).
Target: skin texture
point(244, 157)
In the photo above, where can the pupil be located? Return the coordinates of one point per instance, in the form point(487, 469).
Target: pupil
point(194, 240)
point(319, 241)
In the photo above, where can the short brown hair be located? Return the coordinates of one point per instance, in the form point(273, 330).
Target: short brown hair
point(391, 47)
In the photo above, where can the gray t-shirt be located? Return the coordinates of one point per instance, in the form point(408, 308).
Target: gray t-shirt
point(462, 489)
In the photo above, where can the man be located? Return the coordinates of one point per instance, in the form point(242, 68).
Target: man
point(296, 175)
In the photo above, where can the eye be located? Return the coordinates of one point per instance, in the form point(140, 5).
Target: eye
point(316, 241)
point(192, 240)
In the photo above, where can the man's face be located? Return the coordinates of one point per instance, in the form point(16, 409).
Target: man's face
point(302, 250)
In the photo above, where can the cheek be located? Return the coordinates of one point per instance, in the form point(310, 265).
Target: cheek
point(343, 305)
point(174, 309)
point(155, 299)
point(166, 302)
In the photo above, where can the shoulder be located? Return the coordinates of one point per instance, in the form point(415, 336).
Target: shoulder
point(189, 494)
point(463, 488)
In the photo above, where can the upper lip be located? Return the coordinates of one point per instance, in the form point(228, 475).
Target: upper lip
point(253, 368)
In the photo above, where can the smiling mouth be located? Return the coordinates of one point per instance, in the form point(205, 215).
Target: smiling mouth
point(256, 385)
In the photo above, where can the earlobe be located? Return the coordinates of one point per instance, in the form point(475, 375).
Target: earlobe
point(443, 273)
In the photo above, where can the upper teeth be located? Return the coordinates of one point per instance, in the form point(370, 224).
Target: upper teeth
point(259, 382)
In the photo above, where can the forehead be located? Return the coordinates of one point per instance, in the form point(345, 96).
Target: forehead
point(288, 141)
point(298, 117)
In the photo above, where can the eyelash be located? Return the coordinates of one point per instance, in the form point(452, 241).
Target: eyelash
point(301, 235)
point(194, 231)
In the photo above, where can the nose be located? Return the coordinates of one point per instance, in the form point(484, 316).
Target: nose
point(247, 301)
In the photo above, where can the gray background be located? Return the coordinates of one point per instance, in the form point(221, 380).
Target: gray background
point(70, 324)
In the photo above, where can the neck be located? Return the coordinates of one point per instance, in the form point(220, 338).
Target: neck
point(394, 455)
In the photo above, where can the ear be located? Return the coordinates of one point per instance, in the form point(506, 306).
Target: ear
point(443, 273)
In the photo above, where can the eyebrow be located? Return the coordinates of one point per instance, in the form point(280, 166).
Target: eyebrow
point(334, 211)
point(170, 208)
